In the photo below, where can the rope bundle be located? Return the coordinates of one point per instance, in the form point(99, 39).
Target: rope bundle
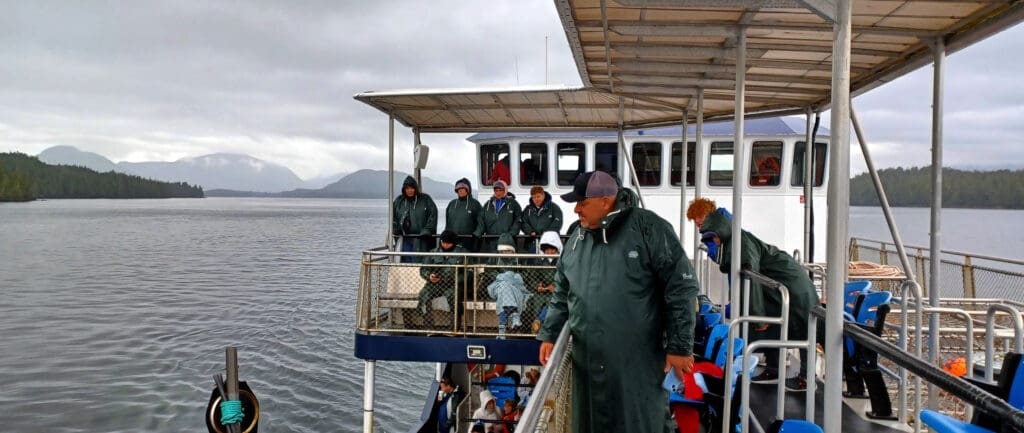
point(869, 269)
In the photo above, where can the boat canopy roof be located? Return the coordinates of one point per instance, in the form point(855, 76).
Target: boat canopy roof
point(657, 54)
point(517, 108)
point(666, 49)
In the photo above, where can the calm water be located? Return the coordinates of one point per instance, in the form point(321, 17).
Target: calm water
point(114, 314)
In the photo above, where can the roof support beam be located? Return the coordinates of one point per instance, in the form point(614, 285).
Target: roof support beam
point(721, 28)
point(826, 9)
point(681, 51)
point(507, 112)
point(641, 67)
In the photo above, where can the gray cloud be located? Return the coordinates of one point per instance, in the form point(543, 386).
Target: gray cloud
point(144, 80)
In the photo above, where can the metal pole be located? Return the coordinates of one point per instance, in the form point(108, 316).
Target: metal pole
point(416, 168)
point(908, 269)
point(698, 169)
point(231, 358)
point(737, 170)
point(808, 183)
point(838, 217)
point(369, 371)
point(391, 182)
point(629, 161)
point(682, 184)
point(939, 56)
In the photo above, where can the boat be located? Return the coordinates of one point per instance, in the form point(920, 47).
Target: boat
point(654, 64)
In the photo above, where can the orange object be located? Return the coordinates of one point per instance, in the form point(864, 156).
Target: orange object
point(956, 366)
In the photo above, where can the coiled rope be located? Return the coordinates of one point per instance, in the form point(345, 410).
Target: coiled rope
point(869, 269)
point(231, 412)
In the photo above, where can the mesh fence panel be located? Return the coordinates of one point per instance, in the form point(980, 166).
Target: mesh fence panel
point(557, 414)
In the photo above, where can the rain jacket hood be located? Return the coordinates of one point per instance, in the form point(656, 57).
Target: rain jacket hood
point(628, 280)
point(551, 238)
point(410, 181)
point(463, 213)
point(414, 216)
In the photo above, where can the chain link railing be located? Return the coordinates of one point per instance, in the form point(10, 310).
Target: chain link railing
point(468, 294)
point(964, 275)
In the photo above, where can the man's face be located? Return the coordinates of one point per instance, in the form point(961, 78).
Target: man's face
point(547, 249)
point(462, 192)
point(499, 193)
point(409, 191)
point(446, 387)
point(538, 199)
point(447, 245)
point(591, 210)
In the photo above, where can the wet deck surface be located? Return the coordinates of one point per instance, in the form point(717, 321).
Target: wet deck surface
point(762, 403)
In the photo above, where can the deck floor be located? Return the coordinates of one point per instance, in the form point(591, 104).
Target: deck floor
point(762, 404)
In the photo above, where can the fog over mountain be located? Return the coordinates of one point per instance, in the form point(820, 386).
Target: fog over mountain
point(214, 171)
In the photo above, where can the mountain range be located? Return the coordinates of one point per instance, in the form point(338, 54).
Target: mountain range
point(236, 175)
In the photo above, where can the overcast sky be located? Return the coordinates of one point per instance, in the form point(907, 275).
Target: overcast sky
point(138, 81)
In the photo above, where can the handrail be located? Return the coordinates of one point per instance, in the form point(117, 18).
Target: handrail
point(745, 379)
point(953, 252)
point(990, 338)
point(534, 408)
point(782, 321)
point(971, 394)
point(915, 288)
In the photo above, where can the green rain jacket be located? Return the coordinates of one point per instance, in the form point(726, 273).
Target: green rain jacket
point(628, 294)
point(493, 222)
point(547, 217)
point(769, 261)
point(462, 214)
point(452, 277)
point(416, 216)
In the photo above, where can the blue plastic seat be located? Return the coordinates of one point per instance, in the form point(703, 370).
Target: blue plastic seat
point(851, 291)
point(1010, 387)
point(794, 426)
point(867, 312)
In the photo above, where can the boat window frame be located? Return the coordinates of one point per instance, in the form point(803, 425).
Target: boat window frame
point(643, 177)
point(798, 158)
point(582, 161)
point(759, 149)
point(486, 167)
point(615, 146)
point(721, 183)
point(691, 163)
point(543, 168)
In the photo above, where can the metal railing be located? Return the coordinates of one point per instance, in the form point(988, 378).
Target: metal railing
point(397, 297)
point(964, 275)
point(550, 403)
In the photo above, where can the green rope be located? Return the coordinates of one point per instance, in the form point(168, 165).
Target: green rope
point(231, 412)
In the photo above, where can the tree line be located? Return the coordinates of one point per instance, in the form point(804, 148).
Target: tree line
point(911, 187)
point(24, 178)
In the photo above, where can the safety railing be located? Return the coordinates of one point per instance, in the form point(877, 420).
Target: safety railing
point(548, 410)
point(463, 294)
point(964, 275)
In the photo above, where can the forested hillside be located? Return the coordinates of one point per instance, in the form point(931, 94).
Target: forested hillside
point(24, 178)
point(911, 187)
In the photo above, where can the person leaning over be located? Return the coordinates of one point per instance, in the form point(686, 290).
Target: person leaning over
point(622, 279)
point(541, 215)
point(462, 213)
point(500, 215)
point(415, 219)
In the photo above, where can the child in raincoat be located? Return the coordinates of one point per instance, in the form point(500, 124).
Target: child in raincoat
point(508, 290)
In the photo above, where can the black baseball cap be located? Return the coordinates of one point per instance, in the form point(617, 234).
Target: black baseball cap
point(591, 184)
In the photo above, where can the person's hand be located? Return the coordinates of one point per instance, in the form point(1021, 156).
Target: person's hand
point(434, 278)
point(762, 328)
point(545, 352)
point(533, 233)
point(551, 287)
point(682, 364)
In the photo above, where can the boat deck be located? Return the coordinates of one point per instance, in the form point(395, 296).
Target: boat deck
point(762, 405)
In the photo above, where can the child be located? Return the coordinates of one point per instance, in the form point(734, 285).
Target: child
point(508, 290)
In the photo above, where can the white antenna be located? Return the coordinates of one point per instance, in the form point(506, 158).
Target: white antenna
point(545, 60)
point(517, 70)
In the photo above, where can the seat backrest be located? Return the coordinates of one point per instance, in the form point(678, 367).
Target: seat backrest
point(717, 346)
point(851, 291)
point(869, 308)
point(1015, 395)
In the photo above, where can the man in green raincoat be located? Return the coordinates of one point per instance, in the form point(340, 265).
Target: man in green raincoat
point(769, 261)
point(501, 214)
point(626, 289)
point(444, 279)
point(415, 218)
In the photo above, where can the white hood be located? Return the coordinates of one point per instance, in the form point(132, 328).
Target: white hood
point(551, 238)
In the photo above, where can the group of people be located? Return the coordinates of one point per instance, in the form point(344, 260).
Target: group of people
point(476, 227)
point(494, 415)
point(623, 278)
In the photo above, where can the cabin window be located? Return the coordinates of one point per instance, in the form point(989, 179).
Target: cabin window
point(720, 164)
point(820, 150)
point(647, 163)
point(494, 163)
point(570, 162)
point(606, 158)
point(766, 163)
point(691, 154)
point(533, 164)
